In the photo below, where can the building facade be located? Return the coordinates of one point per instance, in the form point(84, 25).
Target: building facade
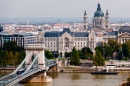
point(64, 41)
point(20, 38)
point(122, 35)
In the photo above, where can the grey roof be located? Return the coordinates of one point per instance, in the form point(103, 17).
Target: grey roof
point(111, 33)
point(57, 33)
point(124, 29)
point(51, 34)
point(80, 34)
point(5, 34)
point(66, 30)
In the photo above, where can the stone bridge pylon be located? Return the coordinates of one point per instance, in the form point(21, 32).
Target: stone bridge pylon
point(37, 50)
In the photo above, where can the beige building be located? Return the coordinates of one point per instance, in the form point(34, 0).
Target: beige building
point(64, 41)
point(122, 35)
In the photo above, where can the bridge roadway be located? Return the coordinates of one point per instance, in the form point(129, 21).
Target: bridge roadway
point(13, 78)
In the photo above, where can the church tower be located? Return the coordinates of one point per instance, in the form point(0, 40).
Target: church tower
point(85, 22)
point(107, 19)
point(99, 19)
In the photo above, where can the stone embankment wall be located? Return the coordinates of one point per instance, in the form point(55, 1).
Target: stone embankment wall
point(7, 69)
point(89, 69)
point(76, 70)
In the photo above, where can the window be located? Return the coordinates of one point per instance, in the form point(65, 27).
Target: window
point(66, 42)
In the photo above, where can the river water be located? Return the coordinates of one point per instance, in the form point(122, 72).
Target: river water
point(81, 79)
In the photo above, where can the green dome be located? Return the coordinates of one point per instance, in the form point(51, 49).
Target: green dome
point(98, 12)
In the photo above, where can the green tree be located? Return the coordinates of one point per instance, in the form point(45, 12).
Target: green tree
point(126, 50)
point(11, 58)
point(6, 59)
point(107, 50)
point(16, 58)
point(112, 43)
point(74, 59)
point(100, 48)
point(1, 58)
point(98, 59)
point(86, 52)
point(67, 54)
point(48, 54)
point(12, 46)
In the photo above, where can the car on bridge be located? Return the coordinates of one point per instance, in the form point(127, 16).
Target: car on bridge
point(20, 71)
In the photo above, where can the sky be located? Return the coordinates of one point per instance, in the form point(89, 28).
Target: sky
point(62, 8)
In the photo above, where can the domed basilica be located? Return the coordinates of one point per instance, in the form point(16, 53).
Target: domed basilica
point(100, 20)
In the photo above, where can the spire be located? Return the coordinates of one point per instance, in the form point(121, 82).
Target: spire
point(107, 13)
point(85, 12)
point(99, 7)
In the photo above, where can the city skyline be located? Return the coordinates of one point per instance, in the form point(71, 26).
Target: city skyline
point(61, 8)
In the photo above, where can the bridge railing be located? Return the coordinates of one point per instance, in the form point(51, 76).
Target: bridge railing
point(27, 71)
point(49, 63)
point(16, 68)
point(21, 77)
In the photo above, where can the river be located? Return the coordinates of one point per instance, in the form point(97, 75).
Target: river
point(81, 79)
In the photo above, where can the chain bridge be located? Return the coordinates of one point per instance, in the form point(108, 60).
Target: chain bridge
point(35, 64)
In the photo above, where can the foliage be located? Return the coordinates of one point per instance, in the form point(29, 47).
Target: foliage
point(86, 52)
point(74, 59)
point(126, 50)
point(12, 46)
point(9, 56)
point(98, 59)
point(127, 83)
point(67, 54)
point(107, 51)
point(100, 48)
point(112, 43)
point(48, 54)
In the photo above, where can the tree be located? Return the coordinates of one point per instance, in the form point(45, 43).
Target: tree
point(127, 83)
point(112, 43)
point(86, 52)
point(12, 46)
point(1, 58)
point(126, 50)
point(100, 48)
point(98, 59)
point(67, 54)
point(48, 54)
point(74, 59)
point(11, 58)
point(18, 58)
point(6, 59)
point(107, 50)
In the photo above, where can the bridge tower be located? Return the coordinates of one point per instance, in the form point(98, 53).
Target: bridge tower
point(37, 50)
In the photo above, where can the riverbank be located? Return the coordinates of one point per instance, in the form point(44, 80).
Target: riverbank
point(77, 69)
point(80, 69)
point(8, 69)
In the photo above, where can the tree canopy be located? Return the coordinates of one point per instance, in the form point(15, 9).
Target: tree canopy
point(11, 54)
point(98, 59)
point(48, 54)
point(74, 59)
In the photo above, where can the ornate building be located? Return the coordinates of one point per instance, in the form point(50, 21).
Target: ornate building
point(122, 36)
point(99, 20)
point(64, 41)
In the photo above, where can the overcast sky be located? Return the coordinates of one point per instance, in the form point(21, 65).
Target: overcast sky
point(61, 8)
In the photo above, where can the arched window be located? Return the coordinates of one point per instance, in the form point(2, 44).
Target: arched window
point(66, 42)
